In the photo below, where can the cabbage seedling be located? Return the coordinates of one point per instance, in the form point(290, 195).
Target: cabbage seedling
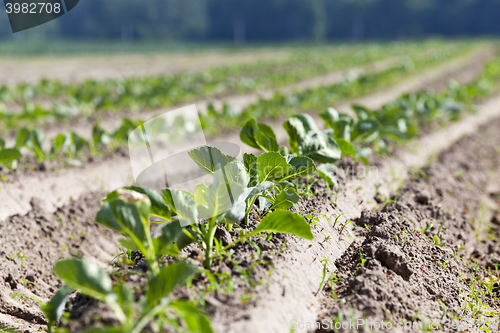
point(92, 281)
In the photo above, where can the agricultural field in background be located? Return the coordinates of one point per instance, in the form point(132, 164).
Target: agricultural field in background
point(363, 170)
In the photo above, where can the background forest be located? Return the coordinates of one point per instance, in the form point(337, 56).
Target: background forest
point(264, 20)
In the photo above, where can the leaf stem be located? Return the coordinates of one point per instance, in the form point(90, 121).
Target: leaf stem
point(209, 241)
point(247, 214)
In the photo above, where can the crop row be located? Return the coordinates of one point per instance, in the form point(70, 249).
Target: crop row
point(267, 186)
point(301, 64)
point(315, 98)
point(136, 94)
point(69, 145)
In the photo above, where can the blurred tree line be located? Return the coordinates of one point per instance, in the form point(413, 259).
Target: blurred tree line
point(260, 20)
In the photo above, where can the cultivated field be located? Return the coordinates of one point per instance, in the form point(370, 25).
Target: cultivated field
point(365, 192)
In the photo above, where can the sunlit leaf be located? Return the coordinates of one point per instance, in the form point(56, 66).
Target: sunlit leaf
point(346, 147)
point(127, 212)
point(272, 165)
point(285, 199)
point(183, 203)
point(284, 221)
point(259, 136)
point(325, 171)
point(209, 159)
point(250, 162)
point(158, 206)
point(302, 166)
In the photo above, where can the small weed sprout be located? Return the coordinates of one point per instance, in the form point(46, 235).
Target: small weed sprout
point(443, 306)
point(22, 257)
point(427, 228)
point(405, 240)
point(323, 277)
point(343, 227)
point(337, 219)
point(362, 263)
point(438, 241)
point(440, 227)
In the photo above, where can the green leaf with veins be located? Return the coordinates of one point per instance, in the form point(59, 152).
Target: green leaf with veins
point(209, 158)
point(201, 198)
point(321, 147)
point(325, 172)
point(284, 221)
point(127, 212)
point(272, 165)
point(306, 140)
point(201, 194)
point(88, 278)
point(264, 203)
point(229, 183)
point(259, 136)
point(264, 186)
point(183, 203)
point(250, 162)
point(285, 199)
point(302, 166)
point(284, 184)
point(220, 199)
point(158, 206)
point(236, 174)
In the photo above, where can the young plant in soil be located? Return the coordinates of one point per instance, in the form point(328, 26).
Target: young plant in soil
point(229, 198)
point(127, 211)
point(307, 145)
